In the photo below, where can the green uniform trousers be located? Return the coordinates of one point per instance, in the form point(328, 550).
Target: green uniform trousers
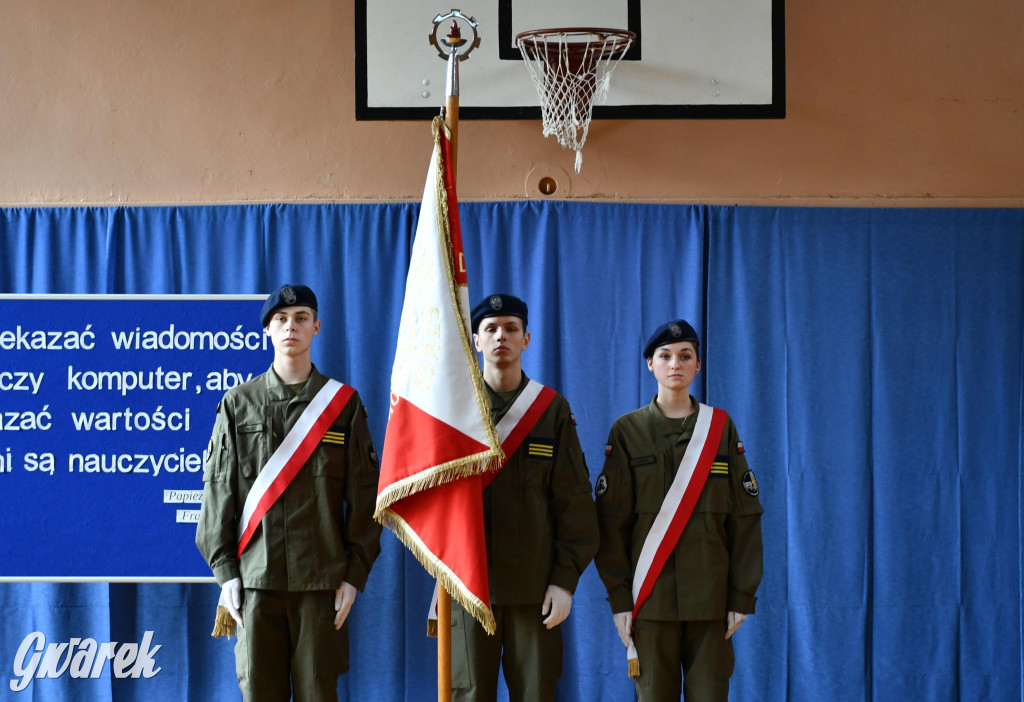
point(698, 650)
point(289, 646)
point(530, 656)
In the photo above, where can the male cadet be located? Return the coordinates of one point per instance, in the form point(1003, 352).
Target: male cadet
point(540, 522)
point(287, 517)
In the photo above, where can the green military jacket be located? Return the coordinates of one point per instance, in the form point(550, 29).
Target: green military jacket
point(539, 516)
point(321, 531)
point(716, 566)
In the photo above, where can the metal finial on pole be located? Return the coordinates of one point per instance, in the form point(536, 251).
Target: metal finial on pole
point(447, 37)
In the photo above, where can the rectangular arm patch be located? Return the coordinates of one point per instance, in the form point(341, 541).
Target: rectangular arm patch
point(540, 448)
point(336, 435)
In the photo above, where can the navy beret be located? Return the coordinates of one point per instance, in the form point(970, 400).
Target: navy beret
point(498, 305)
point(670, 333)
point(288, 295)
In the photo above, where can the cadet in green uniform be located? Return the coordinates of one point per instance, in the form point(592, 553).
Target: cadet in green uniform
point(708, 584)
point(541, 530)
point(292, 589)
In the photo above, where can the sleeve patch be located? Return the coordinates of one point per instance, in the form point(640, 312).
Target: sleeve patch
point(720, 466)
point(607, 449)
point(602, 485)
point(750, 484)
point(336, 435)
point(541, 448)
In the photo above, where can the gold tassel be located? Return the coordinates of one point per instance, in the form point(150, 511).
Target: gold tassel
point(634, 667)
point(432, 628)
point(224, 625)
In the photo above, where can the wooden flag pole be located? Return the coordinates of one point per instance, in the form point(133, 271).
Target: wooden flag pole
point(451, 112)
point(444, 601)
point(444, 644)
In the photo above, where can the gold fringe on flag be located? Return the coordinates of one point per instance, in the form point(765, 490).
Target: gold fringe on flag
point(438, 570)
point(464, 467)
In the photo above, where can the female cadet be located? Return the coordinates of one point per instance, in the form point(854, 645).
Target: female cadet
point(680, 522)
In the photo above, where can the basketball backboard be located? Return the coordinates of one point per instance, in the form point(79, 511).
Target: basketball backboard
point(698, 58)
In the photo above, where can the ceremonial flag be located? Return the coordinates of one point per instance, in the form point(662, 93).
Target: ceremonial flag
point(440, 438)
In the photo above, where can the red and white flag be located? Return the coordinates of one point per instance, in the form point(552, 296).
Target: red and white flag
point(440, 438)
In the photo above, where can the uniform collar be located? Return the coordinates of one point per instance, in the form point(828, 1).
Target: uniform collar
point(280, 392)
point(670, 427)
point(505, 399)
point(523, 382)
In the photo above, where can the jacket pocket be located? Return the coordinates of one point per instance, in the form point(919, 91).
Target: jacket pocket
point(251, 441)
point(648, 483)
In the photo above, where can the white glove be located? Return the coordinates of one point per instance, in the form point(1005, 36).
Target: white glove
point(733, 621)
point(624, 625)
point(344, 598)
point(231, 599)
point(557, 603)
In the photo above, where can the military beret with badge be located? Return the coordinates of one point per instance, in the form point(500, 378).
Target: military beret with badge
point(670, 333)
point(498, 305)
point(288, 295)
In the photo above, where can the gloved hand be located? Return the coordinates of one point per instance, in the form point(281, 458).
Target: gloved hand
point(231, 599)
point(344, 598)
point(624, 625)
point(733, 621)
point(557, 603)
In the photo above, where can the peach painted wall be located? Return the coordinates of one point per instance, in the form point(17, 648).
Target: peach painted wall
point(184, 101)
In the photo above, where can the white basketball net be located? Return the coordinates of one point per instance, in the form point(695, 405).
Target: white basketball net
point(571, 71)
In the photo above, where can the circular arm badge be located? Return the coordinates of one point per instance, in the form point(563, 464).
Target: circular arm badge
point(750, 483)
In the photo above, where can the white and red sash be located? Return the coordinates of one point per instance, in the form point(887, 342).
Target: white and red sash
point(291, 455)
point(520, 419)
point(513, 428)
point(677, 507)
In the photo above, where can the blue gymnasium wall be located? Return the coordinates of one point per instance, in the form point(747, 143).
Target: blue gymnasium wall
point(871, 358)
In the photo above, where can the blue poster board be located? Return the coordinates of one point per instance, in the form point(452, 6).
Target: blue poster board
point(107, 403)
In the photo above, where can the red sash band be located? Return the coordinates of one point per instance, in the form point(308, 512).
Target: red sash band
point(291, 455)
point(677, 507)
point(520, 420)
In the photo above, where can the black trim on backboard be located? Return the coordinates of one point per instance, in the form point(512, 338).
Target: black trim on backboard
point(775, 110)
point(363, 111)
point(507, 50)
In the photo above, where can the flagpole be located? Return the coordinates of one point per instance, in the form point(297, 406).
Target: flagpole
point(444, 601)
point(451, 110)
point(440, 437)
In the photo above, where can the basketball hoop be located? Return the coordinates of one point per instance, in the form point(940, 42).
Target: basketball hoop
point(571, 68)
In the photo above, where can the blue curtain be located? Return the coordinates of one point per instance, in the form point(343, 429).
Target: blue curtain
point(872, 359)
